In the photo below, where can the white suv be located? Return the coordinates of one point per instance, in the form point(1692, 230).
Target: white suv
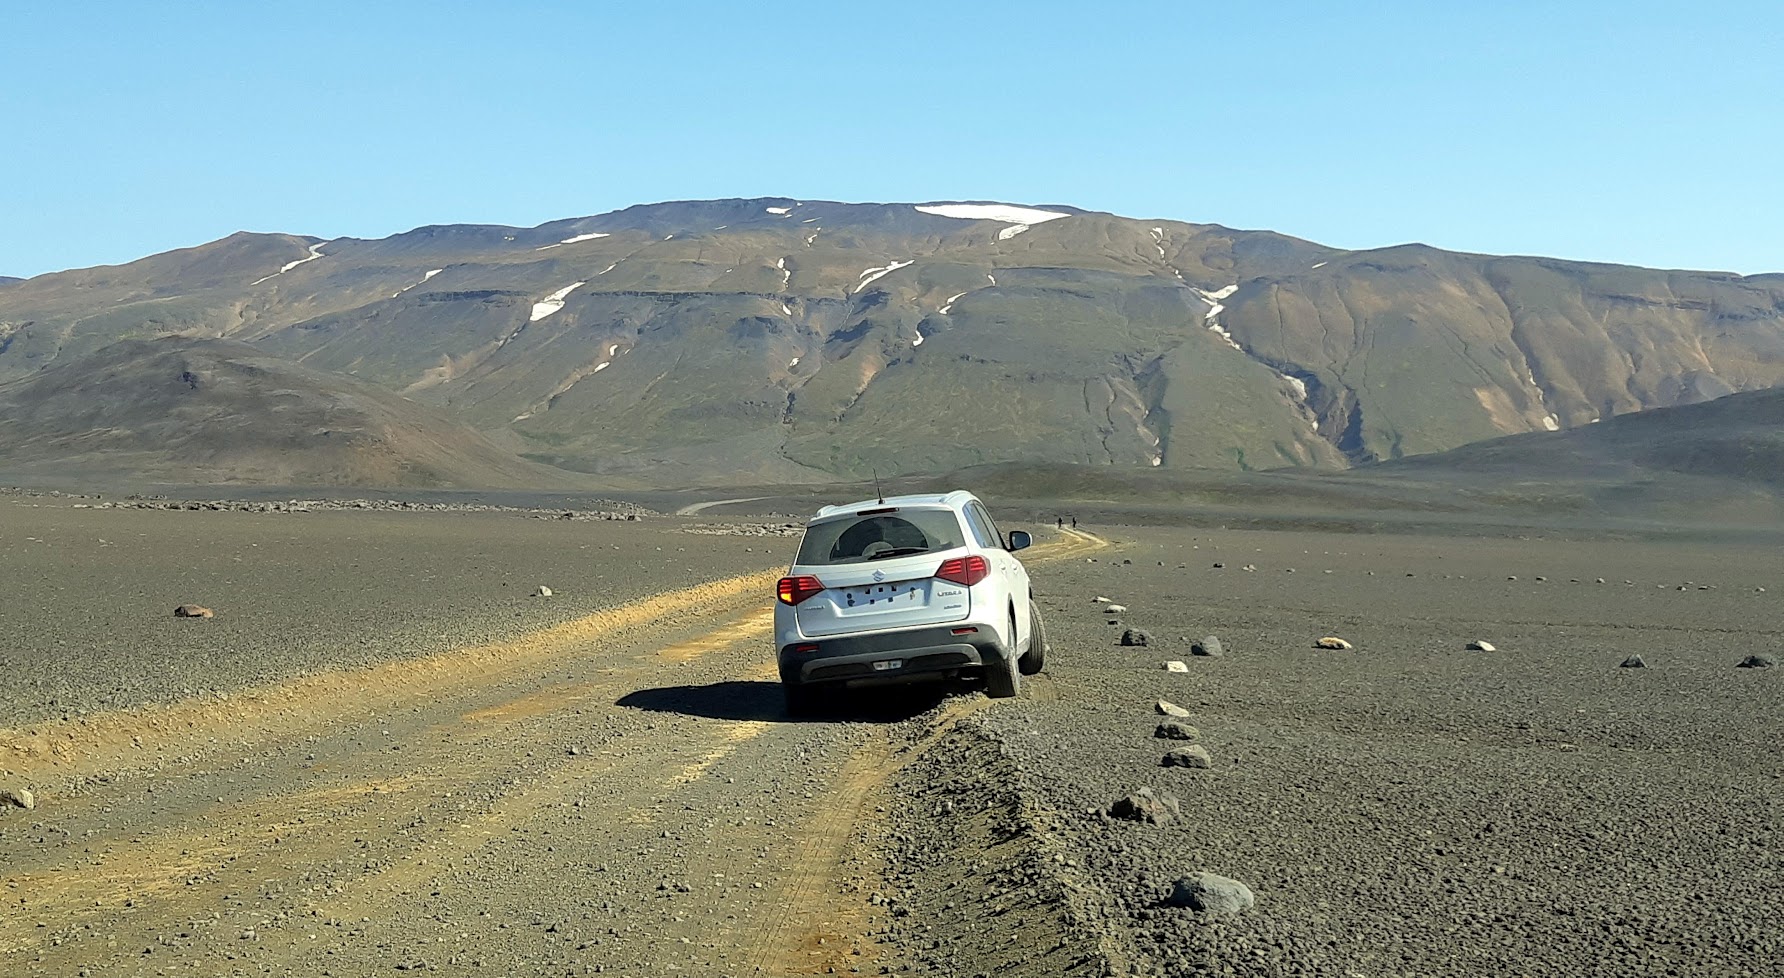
point(901, 590)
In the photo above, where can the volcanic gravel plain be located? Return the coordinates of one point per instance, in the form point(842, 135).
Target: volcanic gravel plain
point(385, 754)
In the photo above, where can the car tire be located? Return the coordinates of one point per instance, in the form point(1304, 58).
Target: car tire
point(1035, 659)
point(1002, 679)
point(801, 701)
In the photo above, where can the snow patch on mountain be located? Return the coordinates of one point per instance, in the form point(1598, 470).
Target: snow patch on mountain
point(1011, 231)
point(553, 302)
point(1299, 386)
point(1222, 330)
point(430, 274)
point(779, 210)
point(315, 253)
point(1214, 298)
point(873, 275)
point(950, 303)
point(1006, 213)
point(578, 238)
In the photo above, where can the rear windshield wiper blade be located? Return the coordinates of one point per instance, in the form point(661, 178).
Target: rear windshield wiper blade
point(899, 552)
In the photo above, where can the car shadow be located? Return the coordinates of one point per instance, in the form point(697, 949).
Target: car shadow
point(738, 700)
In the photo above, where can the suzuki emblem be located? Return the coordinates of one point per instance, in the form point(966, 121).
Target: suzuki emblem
point(879, 575)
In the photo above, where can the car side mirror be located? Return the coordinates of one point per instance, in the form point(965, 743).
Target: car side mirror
point(1019, 540)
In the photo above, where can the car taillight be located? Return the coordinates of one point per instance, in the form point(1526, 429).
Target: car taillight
point(964, 570)
point(793, 590)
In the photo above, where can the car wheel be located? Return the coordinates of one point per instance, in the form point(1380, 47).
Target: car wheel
point(801, 701)
point(1035, 659)
point(1002, 678)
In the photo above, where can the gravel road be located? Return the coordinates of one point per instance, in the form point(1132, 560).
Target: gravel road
point(606, 784)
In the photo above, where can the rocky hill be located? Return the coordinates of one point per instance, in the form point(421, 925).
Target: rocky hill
point(1738, 438)
point(771, 339)
point(214, 411)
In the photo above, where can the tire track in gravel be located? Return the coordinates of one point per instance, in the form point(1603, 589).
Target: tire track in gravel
point(164, 840)
point(124, 740)
point(351, 813)
point(815, 932)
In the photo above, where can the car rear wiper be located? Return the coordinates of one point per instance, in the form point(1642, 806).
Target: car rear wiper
point(899, 552)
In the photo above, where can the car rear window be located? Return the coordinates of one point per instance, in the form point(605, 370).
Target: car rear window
point(881, 536)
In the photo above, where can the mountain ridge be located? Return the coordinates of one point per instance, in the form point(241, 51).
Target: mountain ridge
point(777, 337)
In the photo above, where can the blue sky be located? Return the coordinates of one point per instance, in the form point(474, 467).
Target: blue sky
point(1633, 132)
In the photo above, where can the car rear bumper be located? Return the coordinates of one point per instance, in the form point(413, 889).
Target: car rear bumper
point(923, 653)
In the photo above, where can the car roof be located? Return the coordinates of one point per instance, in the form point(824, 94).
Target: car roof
point(948, 500)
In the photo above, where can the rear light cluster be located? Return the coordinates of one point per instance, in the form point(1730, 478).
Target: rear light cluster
point(964, 570)
point(793, 590)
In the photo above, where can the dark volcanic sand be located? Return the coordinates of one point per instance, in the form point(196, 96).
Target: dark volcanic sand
point(1407, 808)
point(86, 613)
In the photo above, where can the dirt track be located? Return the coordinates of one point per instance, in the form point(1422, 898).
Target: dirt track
point(619, 792)
point(616, 790)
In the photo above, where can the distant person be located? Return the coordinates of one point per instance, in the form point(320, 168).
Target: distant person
point(1059, 522)
point(1074, 522)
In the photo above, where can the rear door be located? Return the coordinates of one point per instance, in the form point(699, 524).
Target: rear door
point(1003, 563)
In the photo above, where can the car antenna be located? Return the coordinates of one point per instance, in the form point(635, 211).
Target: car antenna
point(876, 485)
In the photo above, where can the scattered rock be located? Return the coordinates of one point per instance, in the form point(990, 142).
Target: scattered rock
point(17, 798)
point(193, 611)
point(1213, 894)
point(1169, 709)
point(1209, 646)
point(1757, 661)
point(542, 592)
point(1479, 646)
point(1334, 643)
point(1218, 565)
point(1144, 806)
point(1172, 730)
point(1195, 755)
point(1176, 666)
point(1099, 599)
point(1136, 637)
point(1115, 609)
point(1633, 662)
